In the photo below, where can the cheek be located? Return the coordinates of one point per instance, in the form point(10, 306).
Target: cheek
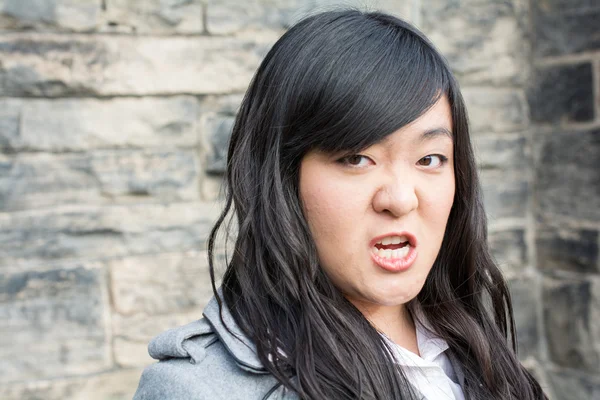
point(329, 209)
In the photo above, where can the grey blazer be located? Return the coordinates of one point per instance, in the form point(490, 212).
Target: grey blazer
point(203, 360)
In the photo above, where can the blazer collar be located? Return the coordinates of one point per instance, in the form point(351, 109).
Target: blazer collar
point(230, 334)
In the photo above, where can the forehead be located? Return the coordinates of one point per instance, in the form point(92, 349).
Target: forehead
point(434, 124)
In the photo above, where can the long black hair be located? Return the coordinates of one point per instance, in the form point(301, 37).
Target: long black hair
point(342, 81)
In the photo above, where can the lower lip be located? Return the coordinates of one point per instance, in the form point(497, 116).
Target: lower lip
point(396, 264)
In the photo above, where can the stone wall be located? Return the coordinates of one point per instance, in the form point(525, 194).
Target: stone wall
point(114, 120)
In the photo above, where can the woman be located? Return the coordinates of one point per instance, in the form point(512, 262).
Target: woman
point(360, 268)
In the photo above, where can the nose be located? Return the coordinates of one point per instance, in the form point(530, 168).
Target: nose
point(397, 196)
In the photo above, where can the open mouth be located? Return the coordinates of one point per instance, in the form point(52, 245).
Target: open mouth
point(394, 252)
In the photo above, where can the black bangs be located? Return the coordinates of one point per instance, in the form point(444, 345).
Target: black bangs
point(355, 79)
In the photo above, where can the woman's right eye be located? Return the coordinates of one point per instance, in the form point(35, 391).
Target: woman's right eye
point(355, 160)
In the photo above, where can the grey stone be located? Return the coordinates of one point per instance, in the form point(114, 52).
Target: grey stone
point(84, 124)
point(509, 249)
point(10, 116)
point(571, 315)
point(495, 109)
point(160, 284)
point(502, 153)
point(225, 17)
point(88, 231)
point(571, 90)
point(574, 386)
point(41, 180)
point(568, 177)
point(53, 324)
point(565, 27)
point(482, 40)
point(568, 249)
point(133, 332)
point(60, 65)
point(524, 299)
point(154, 16)
point(505, 194)
point(62, 15)
point(220, 132)
point(115, 385)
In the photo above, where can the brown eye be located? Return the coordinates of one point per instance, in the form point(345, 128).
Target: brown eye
point(433, 160)
point(355, 160)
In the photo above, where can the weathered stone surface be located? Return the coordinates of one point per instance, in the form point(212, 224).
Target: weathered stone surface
point(154, 16)
point(482, 40)
point(98, 232)
point(568, 177)
point(574, 386)
point(571, 315)
point(53, 324)
point(509, 249)
point(114, 385)
point(502, 153)
point(565, 27)
point(10, 114)
point(562, 93)
point(59, 65)
point(40, 180)
point(524, 294)
point(229, 16)
point(68, 15)
point(159, 284)
point(495, 109)
point(220, 131)
point(216, 124)
point(564, 248)
point(134, 332)
point(78, 124)
point(505, 194)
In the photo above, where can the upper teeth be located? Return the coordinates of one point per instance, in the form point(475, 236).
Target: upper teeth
point(393, 240)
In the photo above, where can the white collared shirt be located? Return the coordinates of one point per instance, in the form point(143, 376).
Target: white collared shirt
point(431, 373)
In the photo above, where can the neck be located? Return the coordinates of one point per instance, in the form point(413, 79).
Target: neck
point(395, 322)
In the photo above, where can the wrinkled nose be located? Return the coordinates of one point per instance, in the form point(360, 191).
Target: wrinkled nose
point(396, 196)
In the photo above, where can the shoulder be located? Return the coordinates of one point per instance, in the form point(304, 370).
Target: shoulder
point(195, 364)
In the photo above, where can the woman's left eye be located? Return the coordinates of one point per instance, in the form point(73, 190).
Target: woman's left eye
point(433, 160)
point(355, 160)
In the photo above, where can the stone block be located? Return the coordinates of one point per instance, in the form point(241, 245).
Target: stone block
point(85, 124)
point(495, 109)
point(10, 116)
point(219, 130)
point(224, 17)
point(509, 249)
point(572, 316)
point(567, 249)
point(154, 16)
point(30, 181)
point(134, 332)
point(482, 40)
point(64, 15)
point(160, 284)
point(524, 293)
point(502, 153)
point(505, 194)
point(563, 93)
point(53, 324)
point(565, 26)
point(568, 177)
point(99, 232)
point(51, 65)
point(114, 385)
point(574, 386)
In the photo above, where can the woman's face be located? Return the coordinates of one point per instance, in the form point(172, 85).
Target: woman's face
point(378, 218)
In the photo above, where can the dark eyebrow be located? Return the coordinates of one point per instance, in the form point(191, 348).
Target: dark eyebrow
point(435, 133)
